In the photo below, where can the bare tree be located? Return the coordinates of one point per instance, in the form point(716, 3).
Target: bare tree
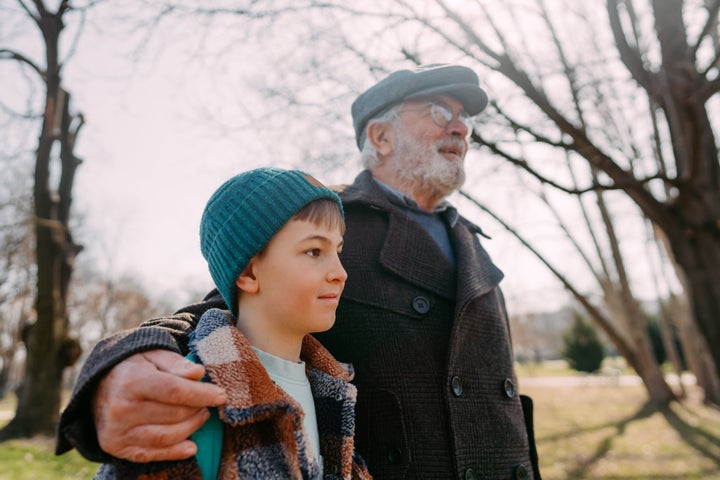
point(16, 258)
point(49, 348)
point(102, 304)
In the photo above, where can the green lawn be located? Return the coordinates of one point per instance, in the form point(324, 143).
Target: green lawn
point(607, 432)
point(34, 459)
point(587, 430)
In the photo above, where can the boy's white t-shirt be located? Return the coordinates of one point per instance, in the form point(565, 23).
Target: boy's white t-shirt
point(291, 377)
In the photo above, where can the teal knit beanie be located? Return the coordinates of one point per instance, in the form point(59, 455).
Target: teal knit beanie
point(245, 213)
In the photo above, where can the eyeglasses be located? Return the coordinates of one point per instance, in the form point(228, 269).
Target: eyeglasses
point(442, 115)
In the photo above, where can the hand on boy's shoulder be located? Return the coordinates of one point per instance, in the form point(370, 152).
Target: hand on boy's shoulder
point(151, 403)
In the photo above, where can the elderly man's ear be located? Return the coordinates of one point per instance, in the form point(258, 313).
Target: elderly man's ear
point(382, 137)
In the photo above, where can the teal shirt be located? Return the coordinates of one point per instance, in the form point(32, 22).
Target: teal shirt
point(209, 440)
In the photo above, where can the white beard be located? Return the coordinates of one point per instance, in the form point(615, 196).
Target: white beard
point(419, 166)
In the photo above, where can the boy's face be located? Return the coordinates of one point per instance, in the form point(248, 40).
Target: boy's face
point(299, 280)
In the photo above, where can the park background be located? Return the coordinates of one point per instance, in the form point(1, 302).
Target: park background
point(177, 96)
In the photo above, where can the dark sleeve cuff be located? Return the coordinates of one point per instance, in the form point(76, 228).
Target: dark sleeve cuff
point(77, 427)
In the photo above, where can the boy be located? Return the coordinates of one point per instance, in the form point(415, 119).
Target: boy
point(271, 238)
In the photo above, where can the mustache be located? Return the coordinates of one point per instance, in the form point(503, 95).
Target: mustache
point(451, 143)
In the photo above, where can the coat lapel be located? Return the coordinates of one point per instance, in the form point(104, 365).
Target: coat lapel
point(477, 274)
point(412, 254)
point(405, 250)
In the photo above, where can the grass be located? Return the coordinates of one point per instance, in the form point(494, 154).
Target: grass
point(588, 429)
point(601, 430)
point(34, 459)
point(560, 368)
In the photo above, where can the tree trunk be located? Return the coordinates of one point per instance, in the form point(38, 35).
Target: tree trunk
point(633, 342)
point(644, 361)
point(668, 341)
point(700, 262)
point(49, 349)
point(695, 347)
point(697, 355)
point(694, 235)
point(634, 321)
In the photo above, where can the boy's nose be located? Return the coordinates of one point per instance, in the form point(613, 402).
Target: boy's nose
point(337, 272)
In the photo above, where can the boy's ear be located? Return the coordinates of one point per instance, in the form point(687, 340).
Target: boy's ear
point(381, 137)
point(247, 282)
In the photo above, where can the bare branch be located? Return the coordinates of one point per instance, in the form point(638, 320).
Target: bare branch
point(635, 183)
point(629, 56)
point(413, 57)
point(78, 33)
point(27, 10)
point(6, 54)
point(283, 10)
point(711, 22)
point(469, 31)
point(568, 70)
point(595, 312)
point(517, 126)
point(710, 89)
point(714, 64)
point(590, 230)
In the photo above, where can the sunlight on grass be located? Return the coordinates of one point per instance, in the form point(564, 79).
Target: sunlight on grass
point(34, 459)
point(607, 432)
point(560, 368)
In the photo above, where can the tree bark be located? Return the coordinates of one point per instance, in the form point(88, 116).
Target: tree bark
point(49, 348)
point(697, 355)
point(693, 222)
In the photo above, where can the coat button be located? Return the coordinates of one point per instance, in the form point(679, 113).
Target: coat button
point(521, 473)
point(456, 385)
point(509, 388)
point(421, 304)
point(470, 474)
point(394, 455)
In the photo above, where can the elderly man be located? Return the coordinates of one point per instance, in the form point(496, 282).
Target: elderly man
point(422, 318)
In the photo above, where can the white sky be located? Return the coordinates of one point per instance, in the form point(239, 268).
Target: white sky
point(146, 177)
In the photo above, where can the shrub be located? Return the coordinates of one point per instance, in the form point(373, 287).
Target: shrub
point(583, 349)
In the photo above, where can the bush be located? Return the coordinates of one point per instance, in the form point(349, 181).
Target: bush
point(583, 349)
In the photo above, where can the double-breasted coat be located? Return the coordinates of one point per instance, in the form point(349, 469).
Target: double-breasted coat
point(430, 342)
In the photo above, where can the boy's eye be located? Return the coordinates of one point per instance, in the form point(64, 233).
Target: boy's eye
point(313, 252)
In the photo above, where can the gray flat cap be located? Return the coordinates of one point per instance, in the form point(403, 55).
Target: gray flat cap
point(459, 82)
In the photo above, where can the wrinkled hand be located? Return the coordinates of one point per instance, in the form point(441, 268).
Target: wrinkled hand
point(147, 406)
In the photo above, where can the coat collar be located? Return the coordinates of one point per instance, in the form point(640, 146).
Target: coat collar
point(475, 275)
point(233, 365)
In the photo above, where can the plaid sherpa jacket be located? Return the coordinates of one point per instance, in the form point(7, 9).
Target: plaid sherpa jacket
point(263, 436)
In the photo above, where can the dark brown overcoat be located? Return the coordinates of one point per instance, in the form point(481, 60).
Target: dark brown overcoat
point(437, 392)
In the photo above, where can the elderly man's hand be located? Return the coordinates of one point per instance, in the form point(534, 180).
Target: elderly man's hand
point(148, 405)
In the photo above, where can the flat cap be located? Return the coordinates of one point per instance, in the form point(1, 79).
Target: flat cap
point(459, 82)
